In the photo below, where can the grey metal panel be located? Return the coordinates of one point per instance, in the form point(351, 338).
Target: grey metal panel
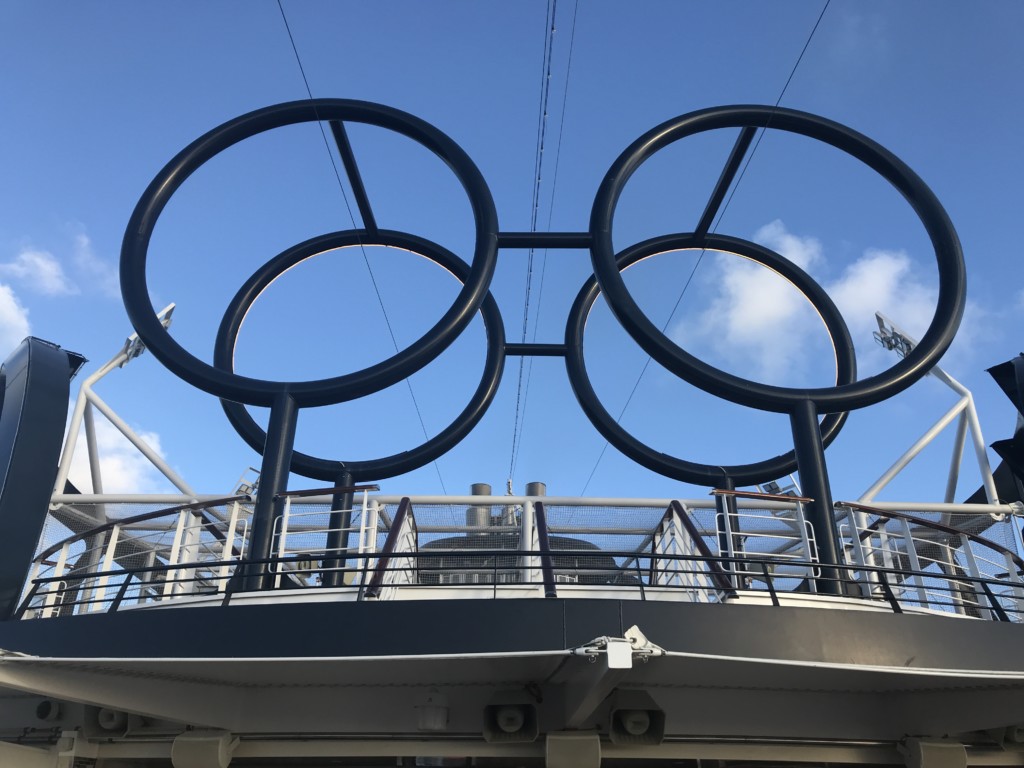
point(35, 381)
point(828, 635)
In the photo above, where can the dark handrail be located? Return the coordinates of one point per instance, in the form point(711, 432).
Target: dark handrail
point(325, 491)
point(982, 582)
point(195, 505)
point(758, 495)
point(548, 573)
point(718, 574)
point(377, 579)
point(929, 524)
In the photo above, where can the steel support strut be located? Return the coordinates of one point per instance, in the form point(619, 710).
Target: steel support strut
point(810, 458)
point(277, 460)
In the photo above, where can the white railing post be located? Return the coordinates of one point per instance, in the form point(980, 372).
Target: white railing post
point(367, 540)
point(809, 545)
point(227, 551)
point(869, 578)
point(100, 592)
point(282, 538)
point(172, 573)
point(915, 562)
point(189, 554)
point(731, 567)
point(1018, 591)
point(528, 542)
point(975, 572)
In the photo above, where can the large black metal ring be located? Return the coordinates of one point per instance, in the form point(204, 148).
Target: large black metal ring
point(243, 389)
point(671, 466)
point(399, 463)
point(845, 396)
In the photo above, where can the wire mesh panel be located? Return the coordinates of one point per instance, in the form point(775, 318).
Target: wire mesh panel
point(779, 541)
point(593, 540)
point(463, 544)
point(112, 556)
point(115, 555)
point(928, 564)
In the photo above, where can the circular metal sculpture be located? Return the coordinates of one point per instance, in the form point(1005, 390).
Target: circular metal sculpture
point(377, 469)
point(285, 398)
point(845, 396)
point(671, 466)
point(232, 386)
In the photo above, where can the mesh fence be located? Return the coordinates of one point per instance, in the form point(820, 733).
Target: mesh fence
point(754, 548)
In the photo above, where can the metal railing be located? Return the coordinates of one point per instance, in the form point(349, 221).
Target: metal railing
point(684, 551)
point(754, 532)
point(301, 538)
point(189, 540)
point(935, 557)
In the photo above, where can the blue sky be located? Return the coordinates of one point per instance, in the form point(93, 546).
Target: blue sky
point(97, 97)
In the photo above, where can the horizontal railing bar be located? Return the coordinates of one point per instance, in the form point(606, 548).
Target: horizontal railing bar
point(940, 507)
point(759, 495)
point(946, 604)
point(73, 499)
point(578, 554)
point(325, 491)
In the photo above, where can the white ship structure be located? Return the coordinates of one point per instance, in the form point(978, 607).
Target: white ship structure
point(348, 624)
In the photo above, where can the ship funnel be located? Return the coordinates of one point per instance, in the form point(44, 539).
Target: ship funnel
point(479, 516)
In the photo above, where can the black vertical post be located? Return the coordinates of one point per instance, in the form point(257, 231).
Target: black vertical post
point(810, 459)
point(337, 536)
point(277, 460)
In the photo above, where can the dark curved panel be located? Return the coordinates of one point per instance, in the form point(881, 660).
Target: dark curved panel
point(35, 384)
point(394, 628)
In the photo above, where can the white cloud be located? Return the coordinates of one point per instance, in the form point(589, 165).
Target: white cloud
point(759, 322)
point(756, 311)
point(40, 271)
point(100, 273)
point(883, 281)
point(805, 252)
point(14, 325)
point(122, 468)
point(751, 320)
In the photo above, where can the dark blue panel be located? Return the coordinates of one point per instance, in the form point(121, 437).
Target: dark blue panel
point(35, 385)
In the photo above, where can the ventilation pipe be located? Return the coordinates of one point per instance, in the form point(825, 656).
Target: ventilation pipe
point(479, 516)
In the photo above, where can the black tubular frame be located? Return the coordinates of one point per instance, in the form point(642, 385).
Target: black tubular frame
point(671, 466)
point(286, 399)
point(405, 461)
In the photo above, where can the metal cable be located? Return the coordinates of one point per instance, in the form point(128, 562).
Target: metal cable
point(551, 213)
point(549, 36)
point(362, 249)
point(714, 228)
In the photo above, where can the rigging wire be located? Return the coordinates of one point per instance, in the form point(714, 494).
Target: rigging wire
point(714, 228)
point(362, 249)
point(551, 213)
point(542, 118)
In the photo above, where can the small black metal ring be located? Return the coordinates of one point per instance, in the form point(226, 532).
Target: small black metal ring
point(843, 397)
point(224, 384)
point(389, 466)
point(671, 466)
